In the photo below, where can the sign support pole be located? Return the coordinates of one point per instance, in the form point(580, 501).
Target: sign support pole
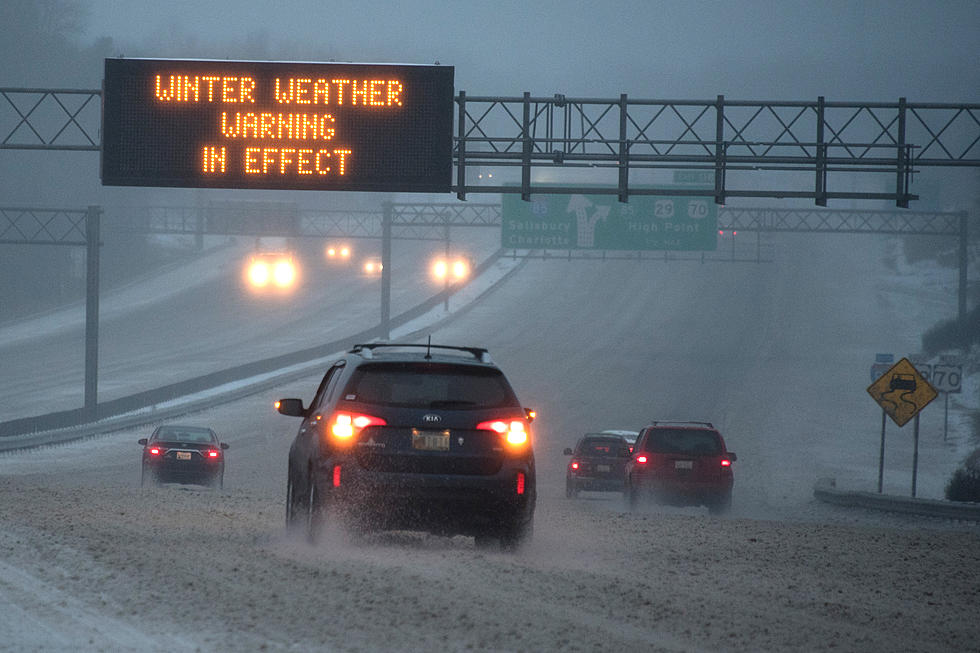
point(881, 454)
point(946, 418)
point(387, 216)
point(915, 455)
point(92, 236)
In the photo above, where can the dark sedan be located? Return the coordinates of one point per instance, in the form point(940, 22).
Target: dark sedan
point(183, 454)
point(598, 463)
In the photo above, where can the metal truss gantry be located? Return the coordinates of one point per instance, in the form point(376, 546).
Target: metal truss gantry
point(66, 227)
point(410, 220)
point(430, 221)
point(621, 140)
point(726, 138)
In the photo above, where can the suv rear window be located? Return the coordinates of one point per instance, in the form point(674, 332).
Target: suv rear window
point(430, 385)
point(695, 442)
point(600, 447)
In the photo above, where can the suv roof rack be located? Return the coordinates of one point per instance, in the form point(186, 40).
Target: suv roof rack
point(367, 349)
point(657, 422)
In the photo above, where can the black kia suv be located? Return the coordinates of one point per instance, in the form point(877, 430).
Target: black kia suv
point(413, 437)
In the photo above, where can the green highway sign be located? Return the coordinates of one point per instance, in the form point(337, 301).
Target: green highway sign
point(602, 222)
point(699, 177)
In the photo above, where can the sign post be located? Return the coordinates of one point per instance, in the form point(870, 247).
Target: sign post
point(882, 364)
point(947, 377)
point(902, 392)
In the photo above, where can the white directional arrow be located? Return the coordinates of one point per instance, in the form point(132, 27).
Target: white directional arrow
point(579, 205)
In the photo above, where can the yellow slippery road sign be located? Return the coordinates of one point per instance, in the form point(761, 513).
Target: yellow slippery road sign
point(902, 392)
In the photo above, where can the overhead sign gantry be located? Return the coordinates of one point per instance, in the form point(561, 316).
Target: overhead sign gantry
point(275, 125)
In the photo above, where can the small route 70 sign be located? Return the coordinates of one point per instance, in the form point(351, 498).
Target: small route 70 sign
point(947, 378)
point(902, 392)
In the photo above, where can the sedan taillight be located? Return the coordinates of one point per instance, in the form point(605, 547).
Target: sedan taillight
point(154, 451)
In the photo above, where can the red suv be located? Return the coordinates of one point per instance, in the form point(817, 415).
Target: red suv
point(681, 463)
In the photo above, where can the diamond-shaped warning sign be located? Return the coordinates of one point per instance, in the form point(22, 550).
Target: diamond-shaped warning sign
point(902, 392)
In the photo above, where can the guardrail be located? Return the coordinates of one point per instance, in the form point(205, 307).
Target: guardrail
point(826, 490)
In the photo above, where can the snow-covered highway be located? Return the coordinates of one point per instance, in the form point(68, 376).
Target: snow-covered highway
point(776, 355)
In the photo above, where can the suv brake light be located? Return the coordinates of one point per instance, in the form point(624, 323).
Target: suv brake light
point(513, 430)
point(725, 462)
point(641, 459)
point(345, 426)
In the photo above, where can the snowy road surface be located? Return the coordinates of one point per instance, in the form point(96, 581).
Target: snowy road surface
point(775, 355)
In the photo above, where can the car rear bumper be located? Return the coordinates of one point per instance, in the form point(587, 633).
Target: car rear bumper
point(594, 484)
point(686, 491)
point(165, 470)
point(453, 504)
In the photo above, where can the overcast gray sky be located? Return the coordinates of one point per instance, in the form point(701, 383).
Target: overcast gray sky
point(925, 50)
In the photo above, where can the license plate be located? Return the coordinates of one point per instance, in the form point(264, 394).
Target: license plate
point(430, 440)
point(602, 469)
point(183, 455)
point(683, 464)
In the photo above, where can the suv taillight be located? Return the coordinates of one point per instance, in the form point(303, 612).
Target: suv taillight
point(514, 430)
point(343, 426)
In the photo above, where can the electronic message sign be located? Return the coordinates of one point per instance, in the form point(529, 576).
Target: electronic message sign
point(275, 125)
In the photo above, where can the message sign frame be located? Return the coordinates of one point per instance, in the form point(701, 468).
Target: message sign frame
point(282, 125)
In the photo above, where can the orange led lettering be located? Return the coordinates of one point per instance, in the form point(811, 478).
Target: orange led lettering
point(247, 86)
point(321, 89)
point(190, 85)
point(283, 97)
point(165, 94)
point(210, 80)
point(214, 159)
point(357, 92)
point(342, 155)
point(361, 91)
point(268, 158)
point(326, 133)
point(267, 121)
point(285, 159)
point(231, 131)
point(340, 89)
point(302, 89)
point(309, 127)
point(250, 121)
point(228, 88)
point(374, 92)
point(394, 91)
point(303, 161)
point(291, 126)
point(321, 169)
point(284, 125)
point(250, 153)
